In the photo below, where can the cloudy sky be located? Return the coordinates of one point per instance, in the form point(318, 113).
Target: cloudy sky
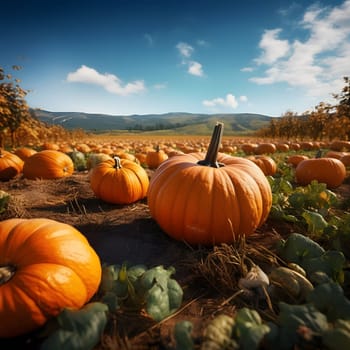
point(127, 57)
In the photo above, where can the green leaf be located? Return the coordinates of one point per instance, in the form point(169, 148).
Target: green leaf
point(183, 336)
point(331, 263)
point(249, 329)
point(297, 247)
point(329, 299)
point(291, 319)
point(4, 200)
point(78, 329)
point(315, 221)
point(338, 338)
point(164, 295)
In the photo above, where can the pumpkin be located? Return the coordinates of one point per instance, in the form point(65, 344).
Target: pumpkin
point(345, 159)
point(330, 171)
point(211, 200)
point(155, 158)
point(265, 163)
point(45, 266)
point(48, 164)
point(10, 165)
point(24, 152)
point(295, 159)
point(95, 158)
point(265, 148)
point(78, 158)
point(119, 181)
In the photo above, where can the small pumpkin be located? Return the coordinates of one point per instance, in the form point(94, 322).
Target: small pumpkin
point(295, 159)
point(265, 148)
point(78, 158)
point(155, 158)
point(48, 164)
point(330, 171)
point(10, 165)
point(45, 266)
point(209, 198)
point(119, 181)
point(265, 163)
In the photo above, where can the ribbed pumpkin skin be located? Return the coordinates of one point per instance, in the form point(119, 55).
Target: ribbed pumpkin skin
point(55, 268)
point(330, 171)
point(10, 165)
point(48, 164)
point(123, 185)
point(206, 205)
point(265, 163)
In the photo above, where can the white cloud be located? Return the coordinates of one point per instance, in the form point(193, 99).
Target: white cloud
point(273, 48)
point(109, 82)
point(243, 98)
point(247, 69)
point(185, 50)
point(317, 63)
point(229, 101)
point(195, 68)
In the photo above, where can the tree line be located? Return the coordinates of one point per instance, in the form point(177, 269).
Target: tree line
point(18, 123)
point(324, 122)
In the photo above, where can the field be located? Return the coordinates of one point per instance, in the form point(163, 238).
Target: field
point(128, 234)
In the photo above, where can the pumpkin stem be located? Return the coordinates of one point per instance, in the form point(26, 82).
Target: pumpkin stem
point(6, 273)
point(117, 162)
point(213, 149)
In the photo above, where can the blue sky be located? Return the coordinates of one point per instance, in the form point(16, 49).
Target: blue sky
point(125, 57)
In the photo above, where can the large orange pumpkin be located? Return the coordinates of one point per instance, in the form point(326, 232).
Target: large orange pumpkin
point(48, 164)
point(119, 181)
point(10, 165)
point(45, 266)
point(330, 171)
point(209, 201)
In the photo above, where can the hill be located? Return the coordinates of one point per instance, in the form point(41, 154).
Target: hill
point(184, 123)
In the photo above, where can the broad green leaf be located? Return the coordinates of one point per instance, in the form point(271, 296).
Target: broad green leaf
point(79, 329)
point(315, 221)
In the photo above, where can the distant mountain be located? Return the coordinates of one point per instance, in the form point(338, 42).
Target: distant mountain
point(184, 123)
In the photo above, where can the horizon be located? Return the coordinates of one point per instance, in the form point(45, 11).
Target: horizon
point(139, 57)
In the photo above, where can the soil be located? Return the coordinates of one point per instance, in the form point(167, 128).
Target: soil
point(125, 233)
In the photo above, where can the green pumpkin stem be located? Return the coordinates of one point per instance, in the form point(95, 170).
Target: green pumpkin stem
point(213, 149)
point(117, 162)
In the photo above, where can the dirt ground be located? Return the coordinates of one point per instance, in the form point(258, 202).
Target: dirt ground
point(123, 234)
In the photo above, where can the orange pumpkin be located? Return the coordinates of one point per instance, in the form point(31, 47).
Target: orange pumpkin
point(155, 158)
point(10, 165)
point(330, 171)
point(265, 148)
point(295, 159)
point(209, 201)
point(265, 163)
point(45, 266)
point(119, 181)
point(48, 164)
point(24, 152)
